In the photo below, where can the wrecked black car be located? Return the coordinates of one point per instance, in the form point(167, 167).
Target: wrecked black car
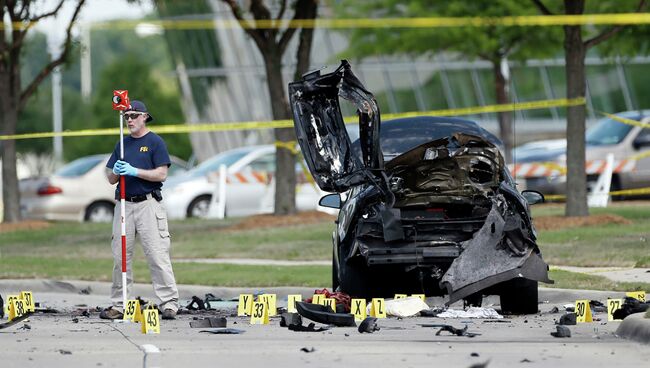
point(427, 204)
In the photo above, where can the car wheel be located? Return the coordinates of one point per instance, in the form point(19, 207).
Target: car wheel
point(519, 296)
point(199, 207)
point(99, 212)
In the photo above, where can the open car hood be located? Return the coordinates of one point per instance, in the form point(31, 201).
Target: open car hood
point(321, 132)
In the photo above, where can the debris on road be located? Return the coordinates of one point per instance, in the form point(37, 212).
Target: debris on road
point(209, 322)
point(630, 306)
point(368, 325)
point(15, 320)
point(196, 304)
point(293, 322)
point(224, 331)
point(405, 307)
point(569, 319)
point(472, 312)
point(562, 331)
point(452, 330)
point(323, 314)
point(308, 350)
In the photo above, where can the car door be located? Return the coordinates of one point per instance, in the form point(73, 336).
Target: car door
point(321, 132)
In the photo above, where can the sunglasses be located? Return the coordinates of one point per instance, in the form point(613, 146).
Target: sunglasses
point(132, 116)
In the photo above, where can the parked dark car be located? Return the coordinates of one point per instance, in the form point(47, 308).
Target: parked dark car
point(427, 204)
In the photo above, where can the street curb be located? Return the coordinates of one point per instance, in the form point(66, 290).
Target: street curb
point(635, 327)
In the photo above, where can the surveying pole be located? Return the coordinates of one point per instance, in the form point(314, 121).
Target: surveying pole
point(121, 102)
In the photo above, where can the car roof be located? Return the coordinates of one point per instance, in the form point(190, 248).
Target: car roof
point(424, 129)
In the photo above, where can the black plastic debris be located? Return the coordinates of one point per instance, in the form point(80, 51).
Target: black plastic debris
point(554, 310)
point(630, 306)
point(452, 330)
point(75, 320)
point(209, 297)
point(25, 327)
point(323, 314)
point(65, 352)
point(525, 360)
point(433, 312)
point(474, 354)
point(288, 319)
point(562, 331)
point(209, 322)
point(308, 350)
point(368, 325)
point(224, 331)
point(480, 365)
point(569, 319)
point(15, 320)
point(196, 304)
point(597, 306)
point(86, 291)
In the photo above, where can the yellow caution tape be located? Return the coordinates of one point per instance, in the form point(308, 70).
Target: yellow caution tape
point(626, 192)
point(420, 22)
point(248, 125)
point(625, 120)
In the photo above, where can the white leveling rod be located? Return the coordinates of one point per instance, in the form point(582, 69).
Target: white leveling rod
point(121, 103)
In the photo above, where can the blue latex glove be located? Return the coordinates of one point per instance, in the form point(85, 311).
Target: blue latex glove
point(125, 168)
point(117, 167)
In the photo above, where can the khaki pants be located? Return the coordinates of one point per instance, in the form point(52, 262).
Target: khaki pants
point(148, 220)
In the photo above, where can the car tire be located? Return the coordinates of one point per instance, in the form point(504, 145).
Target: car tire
point(99, 212)
point(519, 296)
point(199, 207)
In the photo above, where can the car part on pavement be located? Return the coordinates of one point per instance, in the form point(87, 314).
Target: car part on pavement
point(197, 304)
point(562, 331)
point(429, 207)
point(452, 330)
point(15, 320)
point(293, 322)
point(568, 319)
point(323, 314)
point(224, 331)
point(209, 322)
point(630, 306)
point(368, 325)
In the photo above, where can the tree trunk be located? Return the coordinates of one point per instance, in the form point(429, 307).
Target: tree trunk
point(285, 174)
point(575, 52)
point(505, 118)
point(8, 119)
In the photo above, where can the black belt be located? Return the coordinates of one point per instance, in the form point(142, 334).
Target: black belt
point(135, 198)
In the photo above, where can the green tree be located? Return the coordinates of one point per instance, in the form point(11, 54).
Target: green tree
point(577, 41)
point(496, 44)
point(137, 77)
point(18, 17)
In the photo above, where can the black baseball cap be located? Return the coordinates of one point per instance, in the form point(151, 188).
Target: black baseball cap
point(139, 106)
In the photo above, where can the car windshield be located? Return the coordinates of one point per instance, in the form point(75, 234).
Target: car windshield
point(226, 158)
point(79, 166)
point(608, 131)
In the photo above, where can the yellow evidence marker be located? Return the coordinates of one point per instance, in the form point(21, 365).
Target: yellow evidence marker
point(150, 321)
point(132, 312)
point(16, 308)
point(377, 308)
point(331, 303)
point(400, 296)
point(612, 305)
point(10, 299)
point(638, 295)
point(260, 314)
point(583, 311)
point(271, 301)
point(421, 296)
point(358, 308)
point(317, 299)
point(28, 297)
point(245, 304)
point(291, 302)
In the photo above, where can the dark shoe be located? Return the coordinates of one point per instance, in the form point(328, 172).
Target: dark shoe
point(110, 313)
point(169, 314)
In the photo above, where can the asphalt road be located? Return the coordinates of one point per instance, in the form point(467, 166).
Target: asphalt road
point(525, 341)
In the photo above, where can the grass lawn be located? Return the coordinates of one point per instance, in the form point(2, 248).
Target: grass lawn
point(625, 245)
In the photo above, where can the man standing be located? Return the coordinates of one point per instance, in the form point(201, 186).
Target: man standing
point(145, 165)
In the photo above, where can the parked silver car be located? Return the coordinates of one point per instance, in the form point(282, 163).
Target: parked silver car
point(541, 165)
point(77, 191)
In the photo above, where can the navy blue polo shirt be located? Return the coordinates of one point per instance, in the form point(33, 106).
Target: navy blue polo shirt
point(147, 152)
